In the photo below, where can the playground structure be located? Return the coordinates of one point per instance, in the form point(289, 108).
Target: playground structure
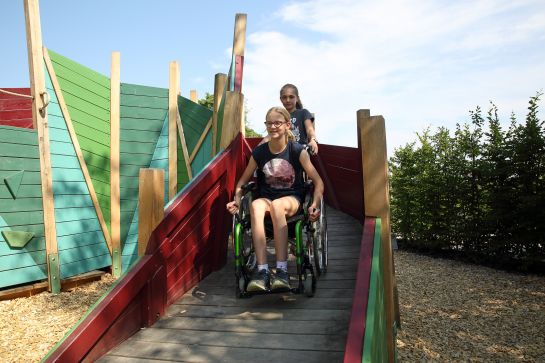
point(100, 174)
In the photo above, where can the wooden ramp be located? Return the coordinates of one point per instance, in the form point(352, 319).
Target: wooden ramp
point(208, 324)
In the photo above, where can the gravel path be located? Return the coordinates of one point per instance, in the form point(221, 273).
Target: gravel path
point(457, 312)
point(450, 312)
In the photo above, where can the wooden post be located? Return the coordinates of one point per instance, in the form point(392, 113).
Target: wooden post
point(372, 134)
point(239, 43)
point(39, 120)
point(115, 194)
point(174, 88)
point(151, 204)
point(193, 95)
point(233, 122)
point(219, 86)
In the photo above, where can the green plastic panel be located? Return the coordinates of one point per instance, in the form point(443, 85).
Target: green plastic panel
point(87, 97)
point(77, 255)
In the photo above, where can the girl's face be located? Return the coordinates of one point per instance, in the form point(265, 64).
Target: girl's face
point(276, 125)
point(289, 99)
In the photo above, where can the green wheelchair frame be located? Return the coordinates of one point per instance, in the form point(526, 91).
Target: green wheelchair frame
point(306, 251)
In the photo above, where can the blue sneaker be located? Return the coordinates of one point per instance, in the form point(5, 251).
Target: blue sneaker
point(260, 281)
point(281, 280)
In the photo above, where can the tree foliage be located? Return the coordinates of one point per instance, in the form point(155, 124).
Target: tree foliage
point(478, 192)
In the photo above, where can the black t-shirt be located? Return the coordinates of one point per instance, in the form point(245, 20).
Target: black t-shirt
point(279, 175)
point(298, 118)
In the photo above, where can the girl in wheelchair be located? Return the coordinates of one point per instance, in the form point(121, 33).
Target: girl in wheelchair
point(280, 163)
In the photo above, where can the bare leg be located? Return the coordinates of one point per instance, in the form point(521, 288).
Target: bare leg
point(258, 209)
point(280, 209)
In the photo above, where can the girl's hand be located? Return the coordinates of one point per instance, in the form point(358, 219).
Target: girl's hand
point(313, 147)
point(232, 207)
point(313, 213)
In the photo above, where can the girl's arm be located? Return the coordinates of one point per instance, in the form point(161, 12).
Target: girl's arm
point(232, 207)
point(313, 210)
point(311, 135)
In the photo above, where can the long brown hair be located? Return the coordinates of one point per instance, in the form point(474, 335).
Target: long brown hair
point(298, 103)
point(287, 118)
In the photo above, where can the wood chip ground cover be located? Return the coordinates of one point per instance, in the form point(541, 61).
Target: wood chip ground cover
point(450, 311)
point(457, 312)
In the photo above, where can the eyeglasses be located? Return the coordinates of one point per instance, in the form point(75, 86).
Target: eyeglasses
point(276, 124)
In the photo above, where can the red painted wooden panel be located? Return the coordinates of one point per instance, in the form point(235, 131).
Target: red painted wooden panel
point(16, 111)
point(356, 328)
point(340, 167)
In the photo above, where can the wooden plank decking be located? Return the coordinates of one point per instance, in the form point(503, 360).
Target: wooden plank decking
point(208, 324)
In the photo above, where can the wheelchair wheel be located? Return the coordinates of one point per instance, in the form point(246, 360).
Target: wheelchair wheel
point(319, 241)
point(309, 283)
point(240, 286)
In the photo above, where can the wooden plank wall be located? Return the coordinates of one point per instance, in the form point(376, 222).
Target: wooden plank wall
point(195, 119)
point(159, 160)
point(19, 151)
point(87, 96)
point(16, 111)
point(81, 243)
point(143, 113)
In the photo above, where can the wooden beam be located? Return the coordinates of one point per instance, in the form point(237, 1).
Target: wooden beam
point(219, 86)
point(151, 204)
point(193, 95)
point(201, 140)
point(77, 148)
point(372, 134)
point(239, 44)
point(115, 193)
point(173, 114)
point(232, 118)
point(184, 146)
point(39, 119)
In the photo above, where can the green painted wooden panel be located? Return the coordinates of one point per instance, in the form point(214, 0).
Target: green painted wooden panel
point(17, 163)
point(37, 243)
point(21, 265)
point(82, 266)
point(194, 120)
point(28, 177)
point(22, 136)
point(202, 158)
point(23, 275)
point(72, 222)
point(130, 248)
point(86, 238)
point(22, 205)
point(67, 63)
point(25, 259)
point(143, 114)
point(87, 97)
point(375, 347)
point(23, 218)
point(135, 89)
point(69, 201)
point(16, 150)
point(25, 191)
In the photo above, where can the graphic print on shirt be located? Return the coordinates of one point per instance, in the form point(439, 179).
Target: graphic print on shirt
point(295, 129)
point(279, 174)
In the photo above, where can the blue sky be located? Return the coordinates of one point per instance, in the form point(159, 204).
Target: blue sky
point(419, 64)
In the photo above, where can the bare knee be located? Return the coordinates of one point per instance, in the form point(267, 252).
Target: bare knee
point(278, 208)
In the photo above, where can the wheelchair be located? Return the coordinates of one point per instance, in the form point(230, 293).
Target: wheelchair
point(306, 240)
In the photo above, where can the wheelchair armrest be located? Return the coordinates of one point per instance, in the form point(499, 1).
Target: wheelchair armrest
point(250, 186)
